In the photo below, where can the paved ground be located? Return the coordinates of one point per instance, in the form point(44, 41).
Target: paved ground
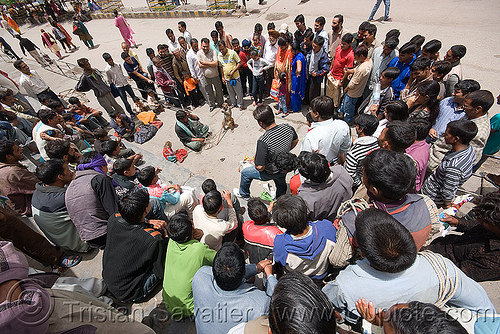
point(472, 23)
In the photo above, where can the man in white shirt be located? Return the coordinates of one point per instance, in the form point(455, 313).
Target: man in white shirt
point(209, 65)
point(205, 218)
point(32, 83)
point(194, 68)
point(182, 28)
point(319, 30)
point(269, 53)
point(172, 42)
point(327, 136)
point(115, 76)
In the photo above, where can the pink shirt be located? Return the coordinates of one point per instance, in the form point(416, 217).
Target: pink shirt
point(342, 59)
point(420, 152)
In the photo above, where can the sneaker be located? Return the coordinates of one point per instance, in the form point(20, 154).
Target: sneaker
point(236, 192)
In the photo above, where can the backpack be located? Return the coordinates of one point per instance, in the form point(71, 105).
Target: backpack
point(144, 133)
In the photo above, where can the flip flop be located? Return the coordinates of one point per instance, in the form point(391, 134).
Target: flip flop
point(489, 177)
point(70, 261)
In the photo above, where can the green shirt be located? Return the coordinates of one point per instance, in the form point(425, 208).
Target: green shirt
point(181, 263)
point(493, 143)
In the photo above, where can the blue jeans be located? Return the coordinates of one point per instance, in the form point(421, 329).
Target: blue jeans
point(387, 4)
point(282, 103)
point(258, 88)
point(251, 173)
point(348, 107)
point(123, 95)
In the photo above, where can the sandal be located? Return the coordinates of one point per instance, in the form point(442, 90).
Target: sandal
point(70, 261)
point(286, 114)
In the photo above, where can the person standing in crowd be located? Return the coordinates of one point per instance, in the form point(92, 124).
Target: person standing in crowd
point(136, 73)
point(302, 29)
point(27, 45)
point(186, 34)
point(319, 30)
point(230, 64)
point(115, 77)
point(299, 78)
point(269, 54)
point(81, 31)
point(62, 36)
point(283, 64)
point(125, 29)
point(32, 83)
point(387, 4)
point(49, 42)
point(7, 48)
point(335, 35)
point(317, 67)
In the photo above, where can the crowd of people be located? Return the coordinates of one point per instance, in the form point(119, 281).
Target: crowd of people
point(394, 132)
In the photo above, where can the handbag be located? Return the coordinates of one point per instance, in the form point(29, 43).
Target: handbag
point(76, 29)
point(274, 89)
point(114, 90)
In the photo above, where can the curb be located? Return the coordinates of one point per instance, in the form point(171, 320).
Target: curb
point(167, 14)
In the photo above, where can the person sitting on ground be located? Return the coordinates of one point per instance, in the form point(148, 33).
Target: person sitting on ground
point(365, 143)
point(306, 245)
point(91, 199)
point(395, 111)
point(68, 152)
point(259, 232)
point(205, 218)
point(101, 136)
point(80, 109)
point(71, 122)
point(49, 207)
point(138, 276)
point(153, 102)
point(139, 105)
point(223, 284)
point(419, 150)
point(388, 186)
point(324, 188)
point(191, 132)
point(111, 150)
point(425, 103)
point(123, 125)
point(18, 107)
point(17, 182)
point(397, 136)
point(393, 272)
point(185, 255)
point(172, 197)
point(456, 167)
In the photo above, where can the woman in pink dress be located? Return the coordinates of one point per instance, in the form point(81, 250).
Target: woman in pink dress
point(125, 29)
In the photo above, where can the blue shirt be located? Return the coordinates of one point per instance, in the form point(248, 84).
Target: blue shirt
point(400, 82)
point(448, 111)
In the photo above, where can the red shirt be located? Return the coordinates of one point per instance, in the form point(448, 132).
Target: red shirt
point(342, 59)
point(243, 59)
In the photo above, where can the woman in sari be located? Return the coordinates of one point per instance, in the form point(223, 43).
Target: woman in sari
point(49, 42)
point(284, 64)
point(299, 78)
point(82, 32)
point(125, 29)
point(62, 36)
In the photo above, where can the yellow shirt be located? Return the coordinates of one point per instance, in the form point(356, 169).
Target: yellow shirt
point(228, 63)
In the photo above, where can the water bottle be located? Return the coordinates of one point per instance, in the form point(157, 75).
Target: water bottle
point(376, 94)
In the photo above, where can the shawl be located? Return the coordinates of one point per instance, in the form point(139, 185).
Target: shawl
point(96, 163)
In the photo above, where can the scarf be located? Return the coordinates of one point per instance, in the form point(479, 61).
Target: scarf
point(96, 163)
point(314, 64)
point(186, 129)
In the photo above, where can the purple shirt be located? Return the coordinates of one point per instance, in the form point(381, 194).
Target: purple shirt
point(420, 152)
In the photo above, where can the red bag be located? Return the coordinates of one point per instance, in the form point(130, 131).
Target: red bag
point(274, 89)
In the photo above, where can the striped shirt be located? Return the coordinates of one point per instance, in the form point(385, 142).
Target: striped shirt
point(275, 140)
point(355, 156)
point(454, 170)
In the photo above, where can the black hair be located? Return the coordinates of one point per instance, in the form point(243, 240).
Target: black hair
point(73, 100)
point(314, 166)
point(286, 161)
point(481, 98)
point(180, 114)
point(193, 41)
point(87, 157)
point(321, 20)
point(340, 17)
point(432, 46)
point(229, 267)
point(169, 31)
point(290, 213)
point(309, 117)
point(17, 63)
point(299, 18)
point(235, 41)
point(150, 51)
point(57, 149)
point(181, 38)
point(208, 185)
point(392, 42)
point(421, 126)
point(180, 228)
point(100, 133)
point(182, 24)
point(218, 24)
point(418, 40)
point(487, 208)
point(46, 115)
point(82, 61)
point(363, 25)
point(312, 311)
point(400, 135)
point(372, 29)
point(257, 211)
point(423, 318)
point(6, 148)
point(264, 114)
point(124, 55)
point(295, 46)
point(212, 201)
point(122, 165)
point(319, 40)
point(367, 123)
point(397, 110)
point(133, 204)
point(361, 50)
point(205, 40)
point(254, 53)
point(393, 180)
point(214, 33)
point(458, 51)
point(281, 41)
point(282, 77)
point(258, 27)
point(391, 72)
point(347, 38)
point(408, 47)
point(385, 242)
point(54, 104)
point(146, 175)
point(442, 67)
point(465, 130)
point(106, 56)
point(431, 90)
point(161, 47)
point(68, 116)
point(108, 147)
point(421, 63)
point(323, 105)
point(468, 86)
point(392, 33)
point(221, 42)
point(271, 26)
point(49, 170)
point(309, 35)
point(4, 92)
